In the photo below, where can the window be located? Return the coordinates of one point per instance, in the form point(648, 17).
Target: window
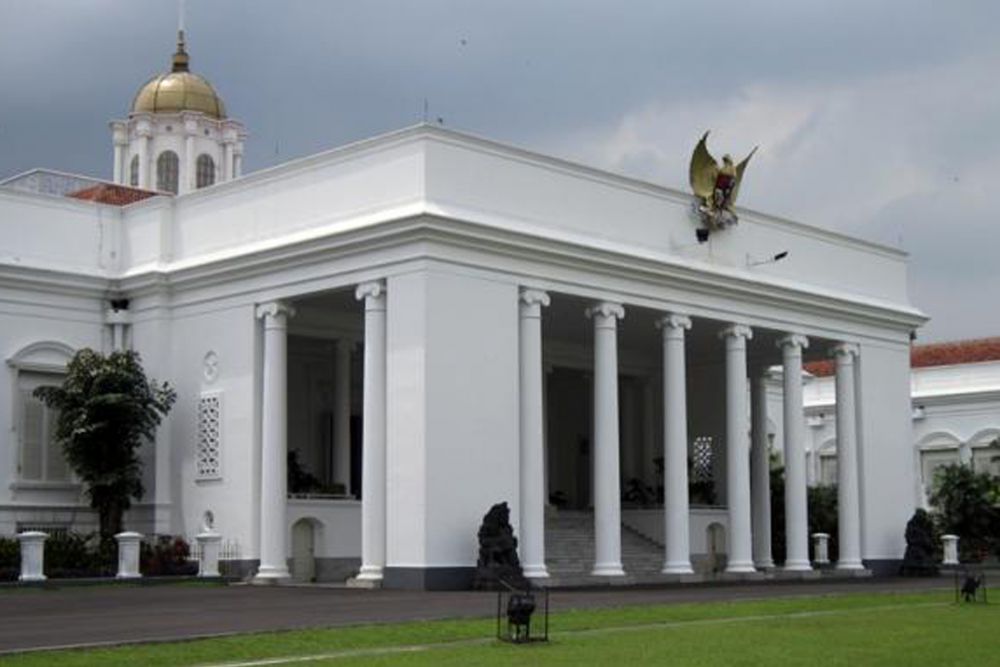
point(828, 468)
point(41, 458)
point(133, 172)
point(205, 171)
point(167, 167)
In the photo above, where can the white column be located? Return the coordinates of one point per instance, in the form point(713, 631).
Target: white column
point(227, 161)
point(187, 180)
point(849, 517)
point(119, 135)
point(740, 545)
point(238, 162)
point(119, 160)
point(117, 337)
point(760, 473)
point(342, 415)
point(373, 434)
point(796, 497)
point(677, 550)
point(532, 435)
point(274, 443)
point(607, 485)
point(145, 181)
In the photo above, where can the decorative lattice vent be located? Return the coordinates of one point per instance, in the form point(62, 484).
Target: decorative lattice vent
point(701, 459)
point(208, 458)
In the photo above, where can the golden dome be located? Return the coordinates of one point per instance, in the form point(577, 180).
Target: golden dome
point(179, 90)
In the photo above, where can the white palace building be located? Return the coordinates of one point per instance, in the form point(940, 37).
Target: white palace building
point(433, 323)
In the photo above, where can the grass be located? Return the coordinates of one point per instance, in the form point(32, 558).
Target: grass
point(855, 629)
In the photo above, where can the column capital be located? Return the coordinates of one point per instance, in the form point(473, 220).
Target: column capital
point(531, 297)
point(606, 309)
point(673, 321)
point(844, 350)
point(272, 309)
point(793, 340)
point(736, 331)
point(370, 291)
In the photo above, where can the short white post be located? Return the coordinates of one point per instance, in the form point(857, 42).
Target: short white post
point(950, 543)
point(209, 543)
point(32, 556)
point(821, 548)
point(128, 555)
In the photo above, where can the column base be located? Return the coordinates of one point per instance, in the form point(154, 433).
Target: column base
point(764, 564)
point(738, 567)
point(679, 567)
point(608, 570)
point(850, 565)
point(797, 566)
point(535, 571)
point(31, 578)
point(370, 573)
point(269, 574)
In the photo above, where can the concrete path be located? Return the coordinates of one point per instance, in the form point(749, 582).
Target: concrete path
point(77, 616)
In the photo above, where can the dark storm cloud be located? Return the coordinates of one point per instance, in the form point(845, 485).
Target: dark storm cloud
point(876, 118)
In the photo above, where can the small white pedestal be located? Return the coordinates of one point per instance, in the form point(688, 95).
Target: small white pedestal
point(128, 555)
point(821, 548)
point(950, 543)
point(208, 564)
point(32, 556)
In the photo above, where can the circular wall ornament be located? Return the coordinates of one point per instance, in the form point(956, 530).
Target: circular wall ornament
point(210, 366)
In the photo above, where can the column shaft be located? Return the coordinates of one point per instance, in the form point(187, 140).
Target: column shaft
point(677, 550)
point(760, 472)
point(607, 483)
point(274, 445)
point(532, 424)
point(849, 515)
point(373, 444)
point(738, 451)
point(342, 415)
point(796, 496)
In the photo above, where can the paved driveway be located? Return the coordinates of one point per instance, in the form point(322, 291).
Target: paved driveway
point(72, 616)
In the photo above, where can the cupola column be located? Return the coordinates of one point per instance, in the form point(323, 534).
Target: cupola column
point(144, 136)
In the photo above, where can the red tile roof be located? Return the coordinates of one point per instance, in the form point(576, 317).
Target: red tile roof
point(935, 354)
point(111, 193)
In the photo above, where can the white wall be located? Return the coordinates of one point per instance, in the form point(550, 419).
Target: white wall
point(452, 413)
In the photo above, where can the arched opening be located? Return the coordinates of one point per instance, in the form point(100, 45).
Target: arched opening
point(715, 540)
point(304, 536)
point(167, 172)
point(133, 172)
point(204, 171)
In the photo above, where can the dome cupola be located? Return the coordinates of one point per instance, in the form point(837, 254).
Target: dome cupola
point(179, 90)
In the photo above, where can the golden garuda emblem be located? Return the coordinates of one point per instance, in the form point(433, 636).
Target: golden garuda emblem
point(716, 186)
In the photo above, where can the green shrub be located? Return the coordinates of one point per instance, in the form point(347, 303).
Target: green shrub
point(964, 504)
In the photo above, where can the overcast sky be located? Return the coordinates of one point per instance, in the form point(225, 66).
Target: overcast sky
point(878, 119)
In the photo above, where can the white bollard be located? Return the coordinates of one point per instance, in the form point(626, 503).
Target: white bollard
point(821, 548)
point(950, 543)
point(210, 543)
point(128, 555)
point(32, 556)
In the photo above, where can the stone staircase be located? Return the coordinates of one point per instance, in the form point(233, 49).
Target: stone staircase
point(569, 553)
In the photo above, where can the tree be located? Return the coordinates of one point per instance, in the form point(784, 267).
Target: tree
point(107, 408)
point(965, 505)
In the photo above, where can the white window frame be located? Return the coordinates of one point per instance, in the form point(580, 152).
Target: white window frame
point(41, 358)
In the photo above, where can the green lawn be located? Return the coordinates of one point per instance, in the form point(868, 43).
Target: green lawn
point(856, 629)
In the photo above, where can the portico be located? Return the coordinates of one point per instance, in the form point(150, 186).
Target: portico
point(701, 378)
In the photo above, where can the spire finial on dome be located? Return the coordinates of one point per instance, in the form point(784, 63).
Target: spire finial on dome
point(180, 59)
